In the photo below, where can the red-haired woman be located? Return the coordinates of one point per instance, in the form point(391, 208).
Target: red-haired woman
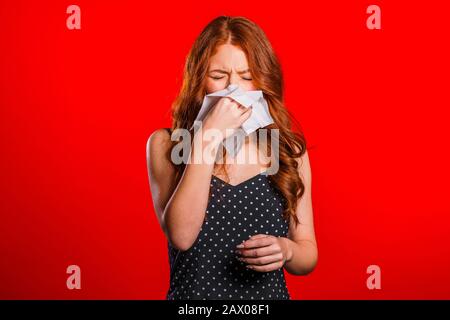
point(232, 228)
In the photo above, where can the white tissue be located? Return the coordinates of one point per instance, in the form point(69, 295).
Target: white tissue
point(259, 118)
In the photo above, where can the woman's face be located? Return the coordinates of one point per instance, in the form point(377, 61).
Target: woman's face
point(228, 66)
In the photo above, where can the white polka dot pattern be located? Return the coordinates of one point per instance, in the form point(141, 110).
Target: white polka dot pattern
point(210, 268)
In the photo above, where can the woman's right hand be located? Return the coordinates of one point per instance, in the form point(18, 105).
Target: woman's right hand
point(226, 114)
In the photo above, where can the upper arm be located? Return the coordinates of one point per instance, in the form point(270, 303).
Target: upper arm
point(161, 172)
point(305, 229)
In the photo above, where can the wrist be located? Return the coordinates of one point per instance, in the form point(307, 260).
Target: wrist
point(208, 139)
point(288, 252)
point(204, 150)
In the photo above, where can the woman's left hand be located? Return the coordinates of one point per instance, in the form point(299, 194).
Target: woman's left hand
point(264, 252)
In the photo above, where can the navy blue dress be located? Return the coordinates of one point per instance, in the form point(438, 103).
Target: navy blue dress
point(210, 268)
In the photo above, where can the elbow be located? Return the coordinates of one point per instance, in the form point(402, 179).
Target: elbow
point(303, 270)
point(305, 267)
point(178, 236)
point(311, 266)
point(309, 269)
point(180, 243)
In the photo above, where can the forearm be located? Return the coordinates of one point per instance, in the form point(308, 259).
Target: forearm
point(301, 256)
point(185, 211)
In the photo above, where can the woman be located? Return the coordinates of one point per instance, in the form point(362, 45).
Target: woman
point(231, 228)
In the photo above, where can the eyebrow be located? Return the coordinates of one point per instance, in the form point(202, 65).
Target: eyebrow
point(226, 72)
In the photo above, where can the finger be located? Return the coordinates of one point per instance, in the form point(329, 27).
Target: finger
point(240, 106)
point(256, 236)
point(246, 110)
point(245, 115)
point(234, 103)
point(266, 268)
point(231, 102)
point(259, 235)
point(255, 243)
point(263, 260)
point(228, 100)
point(259, 252)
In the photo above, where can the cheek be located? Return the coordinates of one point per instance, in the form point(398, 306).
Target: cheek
point(214, 85)
point(247, 85)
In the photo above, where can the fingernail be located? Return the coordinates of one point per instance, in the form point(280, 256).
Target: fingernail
point(240, 246)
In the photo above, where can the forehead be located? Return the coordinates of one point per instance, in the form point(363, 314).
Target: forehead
point(229, 57)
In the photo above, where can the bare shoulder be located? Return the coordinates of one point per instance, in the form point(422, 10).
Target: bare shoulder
point(158, 139)
point(158, 142)
point(158, 145)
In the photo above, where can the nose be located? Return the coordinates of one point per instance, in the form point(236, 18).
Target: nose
point(234, 79)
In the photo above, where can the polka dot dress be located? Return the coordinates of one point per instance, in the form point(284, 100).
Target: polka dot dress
point(210, 268)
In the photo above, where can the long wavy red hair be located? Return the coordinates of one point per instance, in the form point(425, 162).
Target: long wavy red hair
point(267, 76)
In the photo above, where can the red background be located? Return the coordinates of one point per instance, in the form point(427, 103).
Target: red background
point(77, 107)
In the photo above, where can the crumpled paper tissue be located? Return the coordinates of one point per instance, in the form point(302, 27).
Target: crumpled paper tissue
point(259, 118)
